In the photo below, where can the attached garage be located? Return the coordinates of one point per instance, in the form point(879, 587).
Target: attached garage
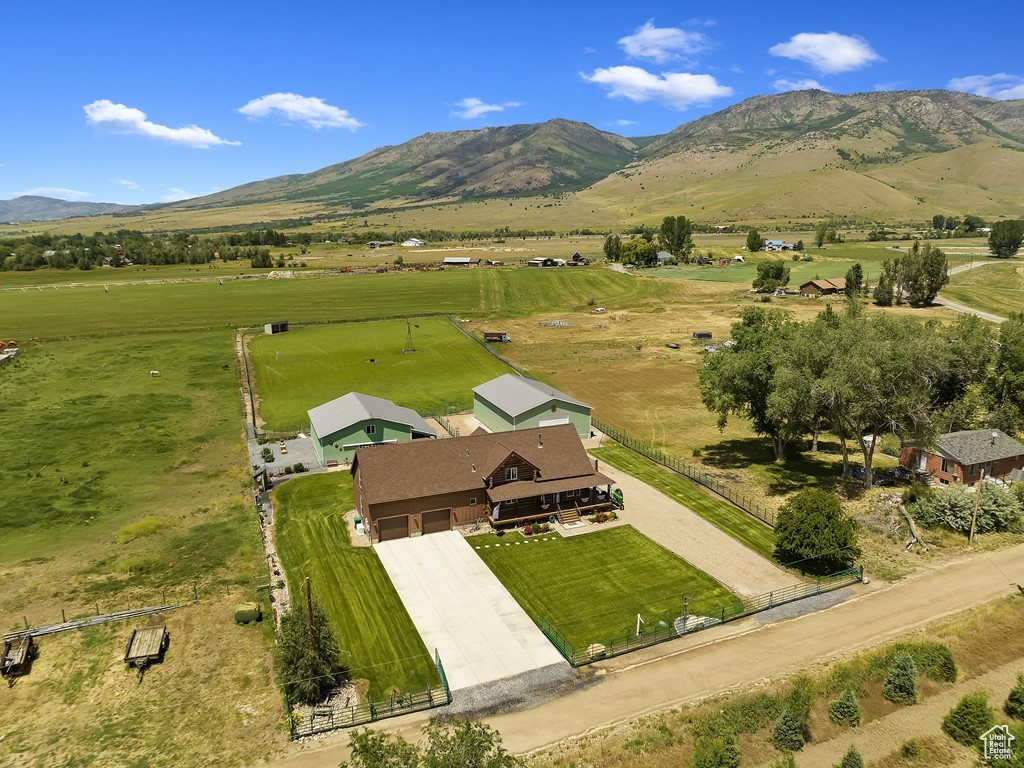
point(389, 528)
point(437, 520)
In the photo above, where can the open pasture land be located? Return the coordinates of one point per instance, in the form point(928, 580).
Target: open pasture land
point(592, 587)
point(308, 366)
point(997, 287)
point(369, 619)
point(118, 486)
point(183, 306)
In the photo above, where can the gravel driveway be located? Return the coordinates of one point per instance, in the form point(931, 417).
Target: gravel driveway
point(698, 542)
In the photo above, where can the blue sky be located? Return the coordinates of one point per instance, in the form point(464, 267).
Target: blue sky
point(146, 102)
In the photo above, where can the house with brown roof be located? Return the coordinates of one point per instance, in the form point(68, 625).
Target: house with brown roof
point(961, 457)
point(823, 287)
point(506, 478)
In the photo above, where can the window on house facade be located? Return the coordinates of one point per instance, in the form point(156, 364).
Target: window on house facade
point(472, 501)
point(571, 494)
point(946, 465)
point(511, 473)
point(371, 429)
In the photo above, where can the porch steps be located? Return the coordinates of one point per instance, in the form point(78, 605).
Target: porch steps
point(568, 516)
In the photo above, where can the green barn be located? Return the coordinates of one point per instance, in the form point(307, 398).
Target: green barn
point(512, 402)
point(355, 419)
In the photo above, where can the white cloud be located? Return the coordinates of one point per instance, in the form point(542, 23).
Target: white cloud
point(121, 119)
point(314, 112)
point(62, 193)
point(472, 107)
point(175, 194)
point(1001, 86)
point(799, 85)
point(677, 90)
point(829, 52)
point(662, 44)
point(624, 123)
point(128, 183)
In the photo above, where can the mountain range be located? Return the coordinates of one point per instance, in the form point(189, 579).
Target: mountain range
point(802, 154)
point(39, 208)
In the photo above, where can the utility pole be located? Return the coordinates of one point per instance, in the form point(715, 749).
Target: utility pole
point(977, 505)
point(686, 610)
point(309, 615)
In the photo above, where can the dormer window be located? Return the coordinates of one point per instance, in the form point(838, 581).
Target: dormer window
point(511, 473)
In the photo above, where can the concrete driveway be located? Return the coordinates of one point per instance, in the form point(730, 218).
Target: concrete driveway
point(462, 610)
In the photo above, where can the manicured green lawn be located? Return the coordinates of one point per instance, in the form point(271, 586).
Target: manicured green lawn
point(733, 521)
point(592, 587)
point(997, 287)
point(351, 584)
point(301, 369)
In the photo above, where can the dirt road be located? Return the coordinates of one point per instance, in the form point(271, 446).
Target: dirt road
point(730, 657)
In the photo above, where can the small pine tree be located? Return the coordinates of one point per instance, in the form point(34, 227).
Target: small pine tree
point(717, 752)
point(851, 759)
point(1014, 705)
point(970, 718)
point(845, 710)
point(788, 734)
point(900, 685)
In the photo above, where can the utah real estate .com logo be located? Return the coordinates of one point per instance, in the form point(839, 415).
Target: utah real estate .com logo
point(997, 743)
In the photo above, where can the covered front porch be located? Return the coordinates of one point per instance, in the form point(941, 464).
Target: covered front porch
point(564, 506)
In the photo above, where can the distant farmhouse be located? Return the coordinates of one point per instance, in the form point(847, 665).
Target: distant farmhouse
point(511, 402)
point(373, 244)
point(777, 245)
point(821, 287)
point(428, 486)
point(542, 261)
point(354, 420)
point(461, 261)
point(960, 457)
point(412, 242)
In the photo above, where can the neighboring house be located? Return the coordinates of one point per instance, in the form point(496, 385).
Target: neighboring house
point(412, 242)
point(354, 420)
point(512, 402)
point(428, 486)
point(777, 245)
point(541, 261)
point(461, 261)
point(960, 457)
point(664, 257)
point(380, 244)
point(822, 287)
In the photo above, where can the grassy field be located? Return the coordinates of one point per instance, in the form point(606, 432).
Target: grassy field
point(57, 313)
point(592, 587)
point(120, 489)
point(306, 367)
point(350, 582)
point(998, 287)
point(721, 514)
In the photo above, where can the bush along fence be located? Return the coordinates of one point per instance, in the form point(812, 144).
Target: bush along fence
point(330, 717)
point(765, 514)
point(688, 624)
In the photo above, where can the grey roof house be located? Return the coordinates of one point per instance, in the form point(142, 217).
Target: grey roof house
point(512, 402)
point(962, 457)
point(353, 420)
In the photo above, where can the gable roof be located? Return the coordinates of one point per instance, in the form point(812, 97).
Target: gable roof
point(838, 283)
point(517, 394)
point(976, 446)
point(354, 407)
point(395, 471)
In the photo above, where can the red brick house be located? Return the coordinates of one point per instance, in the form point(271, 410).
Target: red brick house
point(960, 457)
point(506, 478)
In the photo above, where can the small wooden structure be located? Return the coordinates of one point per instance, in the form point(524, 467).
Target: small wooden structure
point(496, 336)
point(146, 646)
point(272, 328)
point(17, 658)
point(699, 335)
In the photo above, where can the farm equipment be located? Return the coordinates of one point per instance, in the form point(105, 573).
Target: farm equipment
point(146, 646)
point(18, 654)
point(616, 497)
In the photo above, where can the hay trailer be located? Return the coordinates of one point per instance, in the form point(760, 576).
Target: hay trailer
point(146, 646)
point(17, 659)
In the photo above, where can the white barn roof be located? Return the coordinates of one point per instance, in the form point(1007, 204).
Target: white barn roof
point(354, 407)
point(516, 394)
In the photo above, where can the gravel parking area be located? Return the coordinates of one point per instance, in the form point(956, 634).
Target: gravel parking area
point(698, 542)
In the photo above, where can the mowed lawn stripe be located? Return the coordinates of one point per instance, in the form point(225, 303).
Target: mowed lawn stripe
point(306, 367)
point(370, 620)
point(732, 520)
point(592, 587)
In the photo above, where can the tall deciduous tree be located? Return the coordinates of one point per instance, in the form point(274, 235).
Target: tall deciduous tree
point(754, 241)
point(820, 234)
point(613, 248)
point(813, 532)
point(739, 380)
point(640, 252)
point(1004, 388)
point(1005, 238)
point(676, 236)
point(855, 280)
point(771, 274)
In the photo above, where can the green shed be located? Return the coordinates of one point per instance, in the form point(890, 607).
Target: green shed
point(512, 402)
point(355, 419)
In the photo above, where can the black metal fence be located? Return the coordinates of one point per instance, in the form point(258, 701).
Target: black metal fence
point(749, 505)
point(330, 717)
point(686, 625)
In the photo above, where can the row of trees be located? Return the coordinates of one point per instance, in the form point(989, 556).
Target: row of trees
point(915, 277)
point(862, 376)
point(675, 235)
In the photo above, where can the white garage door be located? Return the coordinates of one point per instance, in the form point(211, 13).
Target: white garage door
point(554, 422)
